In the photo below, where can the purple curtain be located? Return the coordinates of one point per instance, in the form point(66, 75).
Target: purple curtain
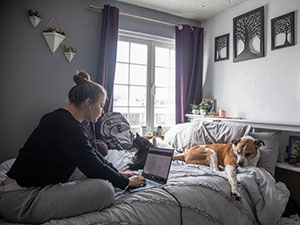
point(107, 53)
point(189, 64)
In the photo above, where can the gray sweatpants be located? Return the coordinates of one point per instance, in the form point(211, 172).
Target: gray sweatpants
point(38, 205)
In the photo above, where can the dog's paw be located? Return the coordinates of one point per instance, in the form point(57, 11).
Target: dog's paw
point(237, 196)
point(221, 168)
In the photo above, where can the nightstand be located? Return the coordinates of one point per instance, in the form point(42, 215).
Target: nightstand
point(291, 177)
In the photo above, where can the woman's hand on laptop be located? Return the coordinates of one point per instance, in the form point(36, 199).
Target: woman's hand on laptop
point(135, 181)
point(127, 174)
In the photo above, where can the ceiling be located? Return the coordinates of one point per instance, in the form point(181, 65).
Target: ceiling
point(199, 10)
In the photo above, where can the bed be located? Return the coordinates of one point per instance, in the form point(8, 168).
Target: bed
point(204, 195)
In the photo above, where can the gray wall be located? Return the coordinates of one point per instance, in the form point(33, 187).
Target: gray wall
point(33, 81)
point(264, 89)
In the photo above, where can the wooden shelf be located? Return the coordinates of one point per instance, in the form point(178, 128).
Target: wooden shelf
point(255, 124)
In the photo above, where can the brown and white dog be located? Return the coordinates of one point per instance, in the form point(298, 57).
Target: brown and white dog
point(241, 152)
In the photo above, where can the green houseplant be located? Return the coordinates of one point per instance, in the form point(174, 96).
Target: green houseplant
point(203, 108)
point(69, 48)
point(34, 17)
point(69, 52)
point(56, 30)
point(33, 12)
point(195, 109)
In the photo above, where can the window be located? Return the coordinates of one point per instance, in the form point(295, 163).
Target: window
point(144, 88)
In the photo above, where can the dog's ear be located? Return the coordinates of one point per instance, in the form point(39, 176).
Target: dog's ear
point(235, 141)
point(137, 134)
point(258, 143)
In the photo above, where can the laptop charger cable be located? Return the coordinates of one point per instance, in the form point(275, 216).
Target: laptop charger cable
point(180, 206)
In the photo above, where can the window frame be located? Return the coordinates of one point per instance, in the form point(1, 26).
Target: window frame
point(151, 41)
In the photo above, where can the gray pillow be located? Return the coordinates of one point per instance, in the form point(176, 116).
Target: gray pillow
point(268, 152)
point(185, 135)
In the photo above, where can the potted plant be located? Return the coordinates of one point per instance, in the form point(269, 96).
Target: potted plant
point(69, 52)
point(195, 109)
point(34, 17)
point(55, 30)
point(203, 108)
point(54, 37)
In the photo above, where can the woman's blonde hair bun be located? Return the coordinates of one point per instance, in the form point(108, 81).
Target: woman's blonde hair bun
point(81, 78)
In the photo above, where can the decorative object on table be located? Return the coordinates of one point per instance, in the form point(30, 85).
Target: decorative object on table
point(283, 31)
point(203, 108)
point(211, 105)
point(69, 52)
point(294, 150)
point(248, 35)
point(159, 131)
point(34, 17)
point(54, 36)
point(222, 47)
point(145, 130)
point(222, 112)
point(195, 109)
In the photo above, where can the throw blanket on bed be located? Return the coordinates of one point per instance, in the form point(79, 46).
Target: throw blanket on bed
point(204, 195)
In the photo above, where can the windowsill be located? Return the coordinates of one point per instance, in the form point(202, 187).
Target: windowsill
point(286, 166)
point(256, 124)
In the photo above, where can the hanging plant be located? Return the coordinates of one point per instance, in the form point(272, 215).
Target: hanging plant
point(50, 29)
point(69, 52)
point(54, 36)
point(69, 48)
point(34, 12)
point(34, 17)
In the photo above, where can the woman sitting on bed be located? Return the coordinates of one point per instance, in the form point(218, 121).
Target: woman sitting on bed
point(38, 186)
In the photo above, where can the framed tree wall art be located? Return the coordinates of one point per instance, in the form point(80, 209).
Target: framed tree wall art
point(283, 31)
point(222, 47)
point(248, 35)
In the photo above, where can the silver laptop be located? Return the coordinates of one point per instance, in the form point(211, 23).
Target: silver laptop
point(156, 169)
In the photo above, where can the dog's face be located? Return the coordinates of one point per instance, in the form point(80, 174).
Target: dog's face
point(246, 151)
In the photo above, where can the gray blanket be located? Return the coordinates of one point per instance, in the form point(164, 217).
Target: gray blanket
point(204, 196)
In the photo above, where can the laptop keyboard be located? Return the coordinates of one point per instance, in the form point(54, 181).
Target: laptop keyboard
point(150, 182)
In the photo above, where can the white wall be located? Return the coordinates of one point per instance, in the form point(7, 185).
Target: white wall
point(265, 89)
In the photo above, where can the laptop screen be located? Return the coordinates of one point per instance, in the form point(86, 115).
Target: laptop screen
point(158, 164)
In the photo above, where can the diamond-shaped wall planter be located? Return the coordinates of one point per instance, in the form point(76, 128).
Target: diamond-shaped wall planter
point(69, 56)
point(53, 40)
point(34, 20)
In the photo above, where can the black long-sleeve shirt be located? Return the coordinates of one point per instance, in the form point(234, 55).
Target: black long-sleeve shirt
point(55, 148)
